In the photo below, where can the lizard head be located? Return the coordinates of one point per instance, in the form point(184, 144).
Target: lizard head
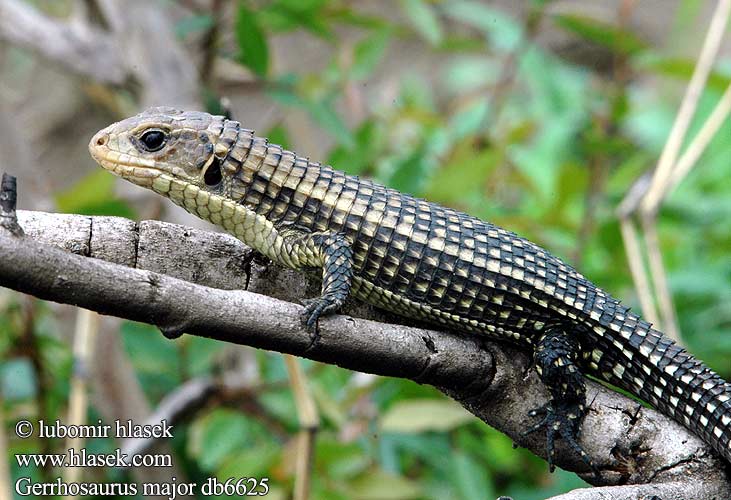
point(162, 142)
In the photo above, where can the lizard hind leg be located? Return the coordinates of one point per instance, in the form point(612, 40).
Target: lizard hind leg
point(555, 358)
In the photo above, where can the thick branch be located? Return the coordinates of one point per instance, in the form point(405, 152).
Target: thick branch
point(240, 317)
point(630, 443)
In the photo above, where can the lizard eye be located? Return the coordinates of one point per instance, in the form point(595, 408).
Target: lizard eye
point(153, 140)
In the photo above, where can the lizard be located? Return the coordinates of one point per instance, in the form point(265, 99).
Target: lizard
point(419, 260)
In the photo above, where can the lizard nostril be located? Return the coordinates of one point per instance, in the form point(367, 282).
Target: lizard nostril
point(101, 141)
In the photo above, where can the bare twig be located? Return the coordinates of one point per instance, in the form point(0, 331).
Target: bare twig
point(186, 398)
point(668, 320)
point(637, 268)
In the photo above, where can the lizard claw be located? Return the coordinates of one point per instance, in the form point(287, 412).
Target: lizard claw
point(314, 308)
point(561, 421)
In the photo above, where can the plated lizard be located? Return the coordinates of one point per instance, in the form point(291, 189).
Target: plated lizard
point(420, 260)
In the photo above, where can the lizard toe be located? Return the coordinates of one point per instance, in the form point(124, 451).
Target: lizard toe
point(316, 308)
point(559, 420)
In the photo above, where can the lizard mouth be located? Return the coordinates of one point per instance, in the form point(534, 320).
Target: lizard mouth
point(134, 168)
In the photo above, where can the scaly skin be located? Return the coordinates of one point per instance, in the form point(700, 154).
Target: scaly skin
point(417, 259)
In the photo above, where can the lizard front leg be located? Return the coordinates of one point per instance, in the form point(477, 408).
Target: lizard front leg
point(332, 252)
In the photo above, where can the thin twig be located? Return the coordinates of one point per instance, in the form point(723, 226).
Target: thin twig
point(669, 320)
point(309, 422)
point(703, 67)
point(637, 268)
point(696, 148)
point(599, 164)
point(184, 400)
point(87, 326)
point(210, 43)
point(8, 199)
point(30, 347)
point(647, 200)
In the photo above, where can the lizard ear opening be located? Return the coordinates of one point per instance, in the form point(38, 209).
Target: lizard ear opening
point(213, 177)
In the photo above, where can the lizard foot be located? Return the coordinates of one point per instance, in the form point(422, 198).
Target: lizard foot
point(314, 308)
point(560, 420)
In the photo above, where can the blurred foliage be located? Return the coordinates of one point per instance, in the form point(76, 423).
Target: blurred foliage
point(505, 131)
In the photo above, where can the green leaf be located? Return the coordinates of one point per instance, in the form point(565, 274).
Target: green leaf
point(469, 118)
point(321, 111)
point(93, 195)
point(253, 48)
point(193, 24)
point(202, 354)
point(155, 359)
point(303, 5)
point(409, 172)
point(250, 461)
point(503, 31)
point(467, 74)
point(424, 20)
point(368, 53)
point(17, 379)
point(470, 477)
point(463, 177)
point(285, 15)
point(340, 459)
point(616, 39)
point(215, 435)
point(683, 70)
point(212, 101)
point(278, 135)
point(384, 486)
point(357, 159)
point(324, 115)
point(421, 415)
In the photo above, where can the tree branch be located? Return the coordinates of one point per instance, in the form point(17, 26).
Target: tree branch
point(631, 444)
point(83, 49)
point(141, 45)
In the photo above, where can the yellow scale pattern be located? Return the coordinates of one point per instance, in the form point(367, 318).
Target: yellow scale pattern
point(410, 256)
